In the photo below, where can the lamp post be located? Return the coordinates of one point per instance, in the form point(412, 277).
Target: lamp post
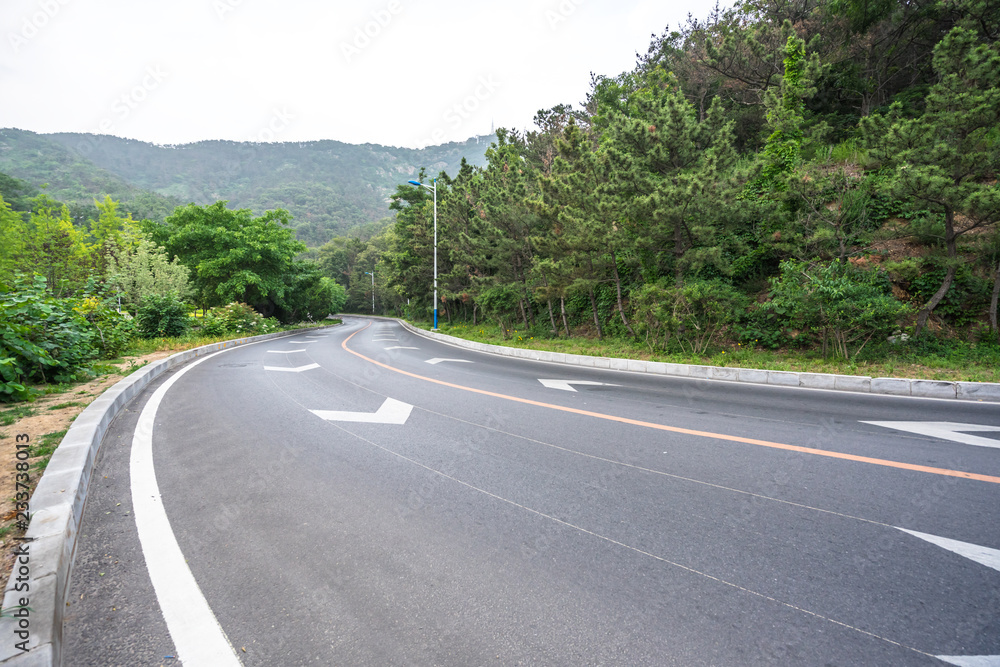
point(435, 191)
point(372, 274)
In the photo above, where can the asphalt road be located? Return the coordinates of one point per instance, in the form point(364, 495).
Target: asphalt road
point(639, 521)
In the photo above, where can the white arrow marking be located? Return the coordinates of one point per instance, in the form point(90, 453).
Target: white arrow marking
point(565, 384)
point(971, 660)
point(982, 555)
point(437, 360)
point(283, 351)
point(945, 431)
point(286, 369)
point(391, 412)
point(400, 347)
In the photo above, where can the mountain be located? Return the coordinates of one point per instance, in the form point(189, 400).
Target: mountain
point(328, 186)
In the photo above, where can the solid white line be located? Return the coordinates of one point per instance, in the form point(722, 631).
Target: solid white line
point(197, 635)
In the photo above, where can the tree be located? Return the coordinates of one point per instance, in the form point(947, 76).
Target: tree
point(54, 248)
point(945, 157)
point(12, 234)
point(232, 255)
point(146, 270)
point(669, 178)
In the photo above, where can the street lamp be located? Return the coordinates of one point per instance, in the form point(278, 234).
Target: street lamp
point(372, 274)
point(435, 191)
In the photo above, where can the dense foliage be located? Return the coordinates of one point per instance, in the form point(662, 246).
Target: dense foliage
point(820, 173)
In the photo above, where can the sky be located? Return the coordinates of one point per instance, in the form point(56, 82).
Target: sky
point(394, 72)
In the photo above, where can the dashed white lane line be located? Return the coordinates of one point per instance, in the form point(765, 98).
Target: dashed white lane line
point(197, 635)
point(284, 351)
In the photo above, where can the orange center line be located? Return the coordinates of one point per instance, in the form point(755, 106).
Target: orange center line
point(676, 429)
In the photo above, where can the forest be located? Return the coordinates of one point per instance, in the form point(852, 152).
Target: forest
point(815, 175)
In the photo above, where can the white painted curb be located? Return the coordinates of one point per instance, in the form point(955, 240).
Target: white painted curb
point(56, 508)
point(973, 391)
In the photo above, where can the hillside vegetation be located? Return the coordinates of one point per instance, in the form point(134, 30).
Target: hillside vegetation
point(815, 175)
point(816, 178)
point(329, 187)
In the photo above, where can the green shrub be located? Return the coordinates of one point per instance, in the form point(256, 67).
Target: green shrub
point(42, 338)
point(846, 306)
point(237, 318)
point(162, 316)
point(693, 316)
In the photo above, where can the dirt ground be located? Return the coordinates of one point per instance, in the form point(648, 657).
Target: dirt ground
point(46, 419)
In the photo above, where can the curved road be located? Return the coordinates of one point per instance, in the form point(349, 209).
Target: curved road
point(364, 496)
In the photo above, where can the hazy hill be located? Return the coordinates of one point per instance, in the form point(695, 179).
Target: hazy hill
point(328, 186)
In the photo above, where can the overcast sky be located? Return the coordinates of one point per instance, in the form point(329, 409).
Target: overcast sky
point(394, 72)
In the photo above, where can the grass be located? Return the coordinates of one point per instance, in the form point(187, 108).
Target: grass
point(927, 359)
point(11, 415)
point(60, 406)
point(44, 448)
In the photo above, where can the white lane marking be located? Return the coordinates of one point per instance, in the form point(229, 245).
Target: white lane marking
point(401, 347)
point(283, 351)
point(565, 384)
point(197, 635)
point(299, 342)
point(971, 660)
point(982, 555)
point(945, 431)
point(286, 369)
point(438, 361)
point(391, 412)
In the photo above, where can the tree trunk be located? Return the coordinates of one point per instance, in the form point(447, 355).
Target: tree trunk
point(949, 276)
point(524, 316)
point(994, 301)
point(552, 318)
point(474, 307)
point(678, 254)
point(562, 308)
point(597, 319)
point(618, 287)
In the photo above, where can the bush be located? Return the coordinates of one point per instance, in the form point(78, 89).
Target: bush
point(162, 316)
point(845, 305)
point(237, 318)
point(114, 331)
point(42, 338)
point(693, 315)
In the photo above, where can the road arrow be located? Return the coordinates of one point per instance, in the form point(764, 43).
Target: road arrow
point(971, 660)
point(564, 385)
point(400, 347)
point(946, 431)
point(391, 412)
point(982, 555)
point(286, 369)
point(437, 360)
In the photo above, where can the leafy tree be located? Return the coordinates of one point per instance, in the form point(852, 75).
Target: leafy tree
point(12, 233)
point(943, 158)
point(145, 270)
point(232, 255)
point(56, 249)
point(669, 177)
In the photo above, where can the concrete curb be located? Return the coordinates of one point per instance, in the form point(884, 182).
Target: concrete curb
point(56, 508)
point(973, 391)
